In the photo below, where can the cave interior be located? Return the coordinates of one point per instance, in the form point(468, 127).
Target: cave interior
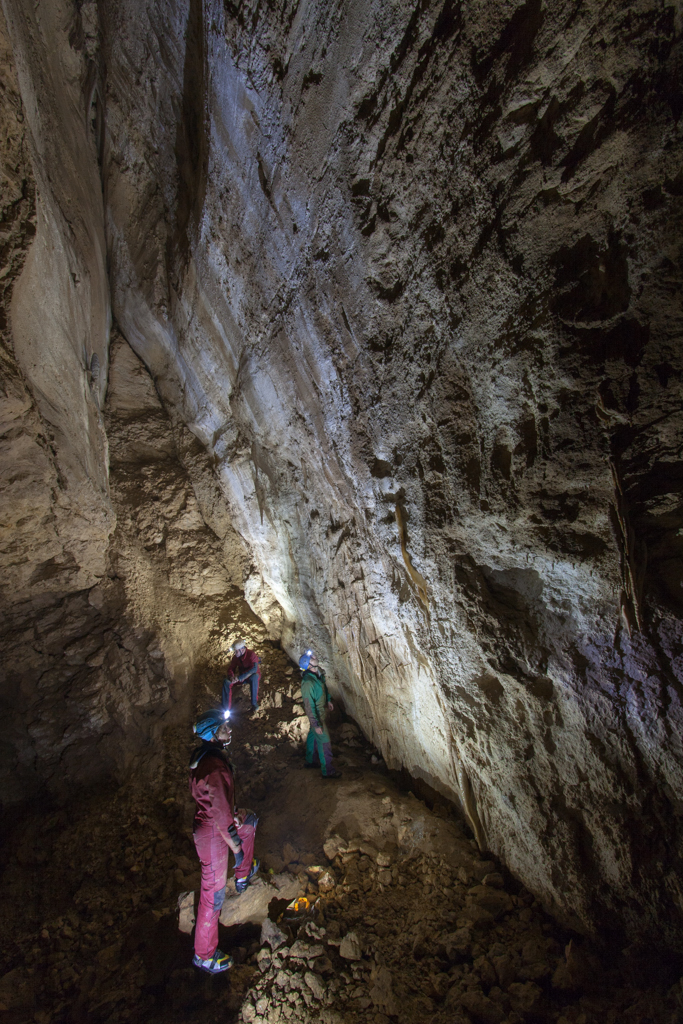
point(356, 327)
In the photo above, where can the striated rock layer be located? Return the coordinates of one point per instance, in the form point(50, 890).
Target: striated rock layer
point(411, 276)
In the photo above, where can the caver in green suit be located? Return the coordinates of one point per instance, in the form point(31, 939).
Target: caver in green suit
point(316, 700)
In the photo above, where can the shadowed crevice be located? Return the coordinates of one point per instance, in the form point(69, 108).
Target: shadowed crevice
point(192, 137)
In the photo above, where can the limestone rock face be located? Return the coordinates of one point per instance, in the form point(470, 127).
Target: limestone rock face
point(93, 676)
point(410, 277)
point(58, 515)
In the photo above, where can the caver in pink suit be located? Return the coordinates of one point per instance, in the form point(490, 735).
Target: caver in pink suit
point(213, 789)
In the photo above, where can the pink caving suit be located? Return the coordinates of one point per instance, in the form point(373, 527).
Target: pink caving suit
point(213, 789)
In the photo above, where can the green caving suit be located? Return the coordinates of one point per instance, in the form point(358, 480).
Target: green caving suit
point(316, 698)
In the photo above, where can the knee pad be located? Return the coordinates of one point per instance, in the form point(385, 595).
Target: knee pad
point(219, 899)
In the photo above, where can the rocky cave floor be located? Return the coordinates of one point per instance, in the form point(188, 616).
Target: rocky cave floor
point(408, 923)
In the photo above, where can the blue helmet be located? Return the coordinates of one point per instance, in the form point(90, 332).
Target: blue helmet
point(208, 724)
point(305, 660)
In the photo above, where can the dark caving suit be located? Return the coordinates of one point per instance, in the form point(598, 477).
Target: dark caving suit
point(213, 789)
point(244, 669)
point(316, 698)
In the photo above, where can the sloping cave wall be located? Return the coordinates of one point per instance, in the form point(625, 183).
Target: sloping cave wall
point(410, 275)
point(92, 676)
point(115, 592)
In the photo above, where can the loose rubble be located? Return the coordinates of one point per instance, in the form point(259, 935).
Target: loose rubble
point(421, 936)
point(370, 907)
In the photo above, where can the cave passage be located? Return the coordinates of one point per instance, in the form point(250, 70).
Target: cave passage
point(353, 327)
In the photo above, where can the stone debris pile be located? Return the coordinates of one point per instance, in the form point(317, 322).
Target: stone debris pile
point(370, 909)
point(419, 936)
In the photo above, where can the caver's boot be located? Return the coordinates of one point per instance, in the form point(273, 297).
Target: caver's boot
point(216, 964)
point(242, 883)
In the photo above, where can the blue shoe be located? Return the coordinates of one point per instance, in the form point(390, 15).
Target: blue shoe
point(218, 963)
point(241, 884)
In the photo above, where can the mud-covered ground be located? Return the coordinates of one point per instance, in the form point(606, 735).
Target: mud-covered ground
point(414, 924)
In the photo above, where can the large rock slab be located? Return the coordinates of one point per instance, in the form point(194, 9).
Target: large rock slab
point(251, 907)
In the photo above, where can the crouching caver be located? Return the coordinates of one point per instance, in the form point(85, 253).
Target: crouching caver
point(218, 828)
point(244, 667)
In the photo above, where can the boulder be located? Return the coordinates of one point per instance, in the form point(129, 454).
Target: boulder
point(350, 947)
point(481, 868)
point(459, 943)
point(486, 971)
point(495, 901)
point(186, 914)
point(525, 997)
point(263, 957)
point(482, 1009)
point(272, 935)
point(494, 879)
point(315, 984)
point(251, 907)
point(304, 951)
point(333, 846)
point(477, 916)
point(289, 854)
point(505, 969)
point(17, 990)
point(382, 993)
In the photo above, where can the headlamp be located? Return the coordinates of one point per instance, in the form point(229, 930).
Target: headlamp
point(226, 715)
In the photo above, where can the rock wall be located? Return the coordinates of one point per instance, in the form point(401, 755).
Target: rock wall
point(92, 676)
point(410, 275)
point(116, 592)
